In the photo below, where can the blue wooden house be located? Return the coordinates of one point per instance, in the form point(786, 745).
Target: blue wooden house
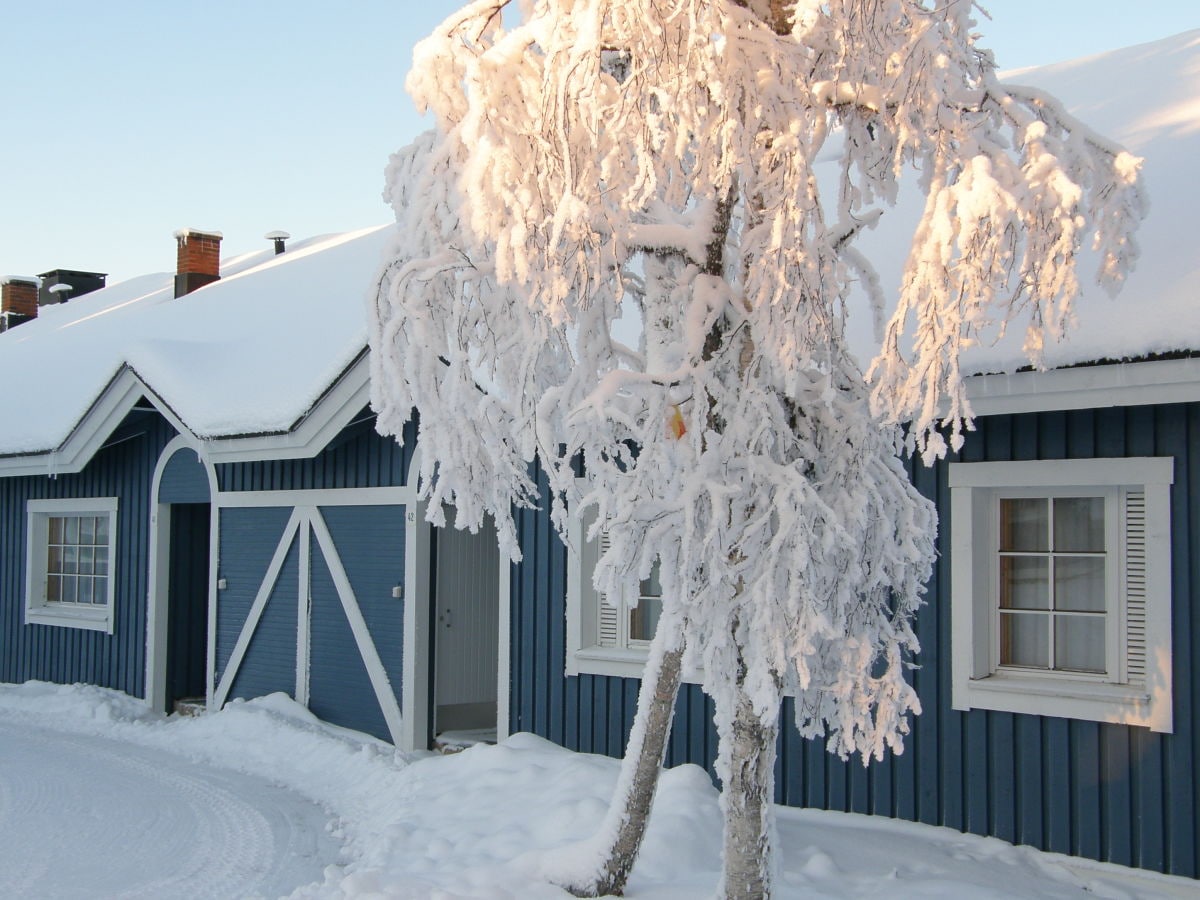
point(194, 504)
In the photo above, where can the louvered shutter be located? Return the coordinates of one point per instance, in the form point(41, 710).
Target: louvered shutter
point(1135, 586)
point(608, 630)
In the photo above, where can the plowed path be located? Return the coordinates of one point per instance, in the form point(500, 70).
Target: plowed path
point(84, 816)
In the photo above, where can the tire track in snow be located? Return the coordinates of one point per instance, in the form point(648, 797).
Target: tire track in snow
point(85, 816)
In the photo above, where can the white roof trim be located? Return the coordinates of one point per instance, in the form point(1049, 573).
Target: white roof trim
point(1087, 387)
point(119, 396)
point(332, 412)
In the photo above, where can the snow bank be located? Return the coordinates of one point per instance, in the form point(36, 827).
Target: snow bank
point(491, 822)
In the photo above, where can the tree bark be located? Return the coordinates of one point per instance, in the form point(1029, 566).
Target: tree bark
point(747, 798)
point(645, 753)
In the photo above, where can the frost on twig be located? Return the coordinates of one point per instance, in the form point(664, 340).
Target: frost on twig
point(551, 295)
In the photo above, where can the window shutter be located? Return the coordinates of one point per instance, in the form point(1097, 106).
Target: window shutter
point(608, 630)
point(1135, 586)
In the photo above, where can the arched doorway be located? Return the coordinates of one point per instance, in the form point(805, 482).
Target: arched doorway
point(178, 667)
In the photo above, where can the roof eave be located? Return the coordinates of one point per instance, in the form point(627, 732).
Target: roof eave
point(1129, 383)
point(305, 438)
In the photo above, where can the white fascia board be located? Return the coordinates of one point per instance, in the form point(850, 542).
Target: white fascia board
point(1086, 387)
point(119, 396)
point(333, 412)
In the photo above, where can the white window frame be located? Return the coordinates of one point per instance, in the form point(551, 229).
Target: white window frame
point(40, 611)
point(585, 654)
point(1136, 689)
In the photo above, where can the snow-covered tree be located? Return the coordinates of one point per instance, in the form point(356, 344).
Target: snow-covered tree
point(695, 174)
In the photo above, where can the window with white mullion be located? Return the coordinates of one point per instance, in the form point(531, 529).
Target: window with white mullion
point(1056, 602)
point(642, 619)
point(626, 624)
point(77, 560)
point(69, 562)
point(1061, 600)
point(606, 638)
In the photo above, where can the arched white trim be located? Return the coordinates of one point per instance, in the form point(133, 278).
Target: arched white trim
point(158, 578)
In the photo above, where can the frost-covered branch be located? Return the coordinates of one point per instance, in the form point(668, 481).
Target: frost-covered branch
point(635, 228)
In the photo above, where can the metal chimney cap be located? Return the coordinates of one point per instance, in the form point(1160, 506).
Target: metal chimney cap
point(278, 237)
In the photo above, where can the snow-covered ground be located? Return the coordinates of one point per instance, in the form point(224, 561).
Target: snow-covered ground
point(83, 772)
point(84, 815)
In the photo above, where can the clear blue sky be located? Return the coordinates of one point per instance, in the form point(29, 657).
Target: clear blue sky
point(125, 121)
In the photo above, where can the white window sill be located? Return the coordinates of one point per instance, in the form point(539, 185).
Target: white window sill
point(66, 617)
point(615, 661)
point(1065, 697)
point(619, 662)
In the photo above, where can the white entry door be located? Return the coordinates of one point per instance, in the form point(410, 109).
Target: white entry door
point(466, 623)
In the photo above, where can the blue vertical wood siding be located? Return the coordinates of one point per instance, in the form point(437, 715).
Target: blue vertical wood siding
point(184, 479)
point(1091, 789)
point(357, 458)
point(340, 689)
point(123, 468)
point(370, 544)
point(248, 540)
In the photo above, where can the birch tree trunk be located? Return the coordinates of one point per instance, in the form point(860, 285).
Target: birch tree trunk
point(640, 769)
point(747, 798)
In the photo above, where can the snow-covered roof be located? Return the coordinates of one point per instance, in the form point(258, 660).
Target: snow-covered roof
point(253, 352)
point(248, 354)
point(1146, 98)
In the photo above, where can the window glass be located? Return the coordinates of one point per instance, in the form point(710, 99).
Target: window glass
point(1079, 643)
point(1079, 583)
point(1079, 524)
point(1024, 582)
point(77, 559)
point(643, 618)
point(1025, 640)
point(1024, 524)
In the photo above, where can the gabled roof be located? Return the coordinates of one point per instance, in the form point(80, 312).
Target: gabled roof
point(248, 355)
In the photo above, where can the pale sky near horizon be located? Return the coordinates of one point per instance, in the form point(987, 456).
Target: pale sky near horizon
point(128, 120)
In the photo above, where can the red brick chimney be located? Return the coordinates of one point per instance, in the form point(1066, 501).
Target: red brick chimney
point(198, 260)
point(18, 300)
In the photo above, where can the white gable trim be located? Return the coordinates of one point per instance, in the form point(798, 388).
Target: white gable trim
point(1086, 387)
point(120, 396)
point(333, 412)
